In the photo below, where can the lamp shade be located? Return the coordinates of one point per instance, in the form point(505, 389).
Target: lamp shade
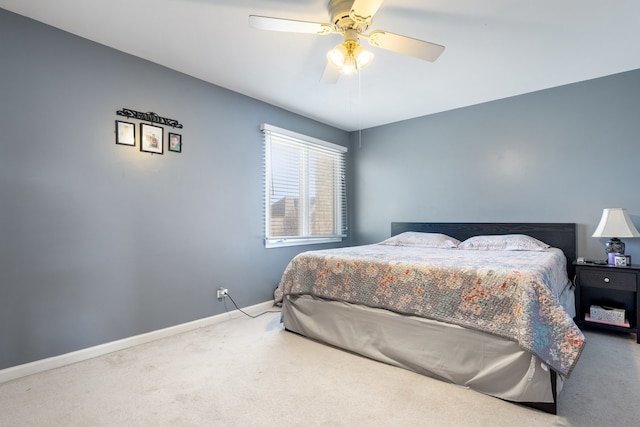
point(337, 55)
point(615, 222)
point(363, 57)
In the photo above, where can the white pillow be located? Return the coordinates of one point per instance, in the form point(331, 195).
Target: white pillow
point(506, 242)
point(425, 240)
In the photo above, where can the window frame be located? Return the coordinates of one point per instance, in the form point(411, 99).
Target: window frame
point(339, 182)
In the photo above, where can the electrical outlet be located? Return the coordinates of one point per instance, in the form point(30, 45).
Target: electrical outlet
point(222, 292)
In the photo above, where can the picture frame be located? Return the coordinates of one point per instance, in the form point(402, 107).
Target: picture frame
point(151, 138)
point(125, 133)
point(622, 260)
point(175, 142)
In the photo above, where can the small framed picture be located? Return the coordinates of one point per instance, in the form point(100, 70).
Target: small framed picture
point(151, 138)
point(622, 260)
point(175, 142)
point(125, 133)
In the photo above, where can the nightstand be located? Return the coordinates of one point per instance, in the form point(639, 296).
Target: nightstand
point(607, 285)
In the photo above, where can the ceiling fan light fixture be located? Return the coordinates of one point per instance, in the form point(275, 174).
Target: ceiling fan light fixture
point(349, 57)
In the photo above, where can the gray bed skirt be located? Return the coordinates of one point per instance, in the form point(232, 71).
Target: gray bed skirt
point(480, 361)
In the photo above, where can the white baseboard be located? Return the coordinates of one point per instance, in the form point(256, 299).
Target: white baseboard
point(42, 365)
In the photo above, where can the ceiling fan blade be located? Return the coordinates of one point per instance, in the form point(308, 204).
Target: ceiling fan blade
point(330, 75)
point(363, 10)
point(288, 25)
point(405, 45)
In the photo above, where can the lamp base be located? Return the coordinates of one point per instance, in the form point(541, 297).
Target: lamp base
point(614, 247)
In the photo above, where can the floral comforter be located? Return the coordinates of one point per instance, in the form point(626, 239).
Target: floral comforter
point(513, 294)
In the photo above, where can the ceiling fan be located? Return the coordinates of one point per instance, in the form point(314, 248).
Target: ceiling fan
point(351, 18)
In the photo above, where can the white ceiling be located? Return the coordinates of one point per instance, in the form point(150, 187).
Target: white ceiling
point(494, 49)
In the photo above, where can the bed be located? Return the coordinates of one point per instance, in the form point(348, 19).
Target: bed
point(436, 300)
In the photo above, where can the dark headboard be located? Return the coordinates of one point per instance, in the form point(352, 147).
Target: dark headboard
point(558, 235)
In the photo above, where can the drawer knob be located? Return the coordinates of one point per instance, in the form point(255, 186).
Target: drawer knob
point(606, 280)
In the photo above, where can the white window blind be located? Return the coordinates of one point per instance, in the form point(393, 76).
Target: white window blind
point(305, 189)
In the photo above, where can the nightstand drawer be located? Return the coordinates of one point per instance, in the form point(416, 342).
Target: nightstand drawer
point(608, 279)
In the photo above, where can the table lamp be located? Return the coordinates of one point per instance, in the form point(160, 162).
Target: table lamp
point(615, 223)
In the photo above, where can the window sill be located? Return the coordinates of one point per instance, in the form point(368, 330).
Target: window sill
point(282, 243)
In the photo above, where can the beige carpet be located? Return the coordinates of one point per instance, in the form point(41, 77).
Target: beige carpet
point(249, 372)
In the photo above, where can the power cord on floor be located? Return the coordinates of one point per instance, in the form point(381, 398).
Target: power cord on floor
point(247, 314)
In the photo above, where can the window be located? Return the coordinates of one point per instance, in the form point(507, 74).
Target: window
point(305, 189)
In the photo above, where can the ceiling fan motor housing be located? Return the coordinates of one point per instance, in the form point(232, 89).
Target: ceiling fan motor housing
point(340, 11)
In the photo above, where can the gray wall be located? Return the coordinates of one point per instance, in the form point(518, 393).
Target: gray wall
point(558, 155)
point(99, 242)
